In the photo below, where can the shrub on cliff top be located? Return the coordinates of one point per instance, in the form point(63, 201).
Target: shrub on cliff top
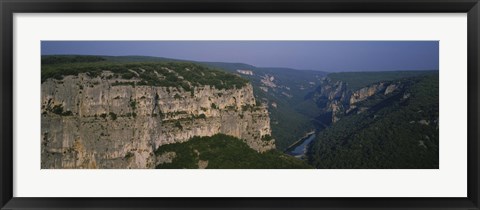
point(184, 75)
point(113, 116)
point(178, 125)
point(57, 59)
point(266, 137)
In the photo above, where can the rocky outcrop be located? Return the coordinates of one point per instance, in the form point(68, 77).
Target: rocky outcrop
point(268, 81)
point(334, 97)
point(112, 123)
point(391, 88)
point(364, 93)
point(245, 72)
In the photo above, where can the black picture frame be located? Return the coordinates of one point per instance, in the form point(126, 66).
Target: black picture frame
point(9, 7)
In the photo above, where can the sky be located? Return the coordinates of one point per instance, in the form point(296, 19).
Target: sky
point(331, 56)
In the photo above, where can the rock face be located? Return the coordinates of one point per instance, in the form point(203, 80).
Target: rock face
point(334, 97)
point(111, 123)
point(364, 93)
point(246, 72)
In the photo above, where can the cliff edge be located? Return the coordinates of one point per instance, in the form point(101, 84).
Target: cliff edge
point(109, 120)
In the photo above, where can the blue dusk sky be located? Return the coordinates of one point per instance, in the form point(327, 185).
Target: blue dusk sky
point(332, 56)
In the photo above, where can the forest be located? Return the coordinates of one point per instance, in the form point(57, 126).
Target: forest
point(225, 152)
point(398, 131)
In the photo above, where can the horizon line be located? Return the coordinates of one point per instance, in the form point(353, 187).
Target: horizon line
point(278, 67)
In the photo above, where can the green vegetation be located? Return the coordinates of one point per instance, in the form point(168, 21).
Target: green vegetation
point(131, 114)
point(128, 155)
point(397, 131)
point(58, 109)
point(200, 116)
point(117, 83)
point(288, 124)
point(178, 125)
point(185, 75)
point(250, 108)
point(67, 113)
point(266, 137)
point(357, 80)
point(113, 116)
point(57, 59)
point(225, 152)
point(133, 104)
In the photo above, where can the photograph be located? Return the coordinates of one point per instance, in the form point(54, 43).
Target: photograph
point(239, 104)
point(199, 104)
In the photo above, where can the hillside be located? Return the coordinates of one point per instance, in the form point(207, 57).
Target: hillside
point(166, 74)
point(388, 128)
point(222, 152)
point(335, 96)
point(357, 80)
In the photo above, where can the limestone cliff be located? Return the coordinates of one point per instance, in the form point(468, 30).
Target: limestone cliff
point(108, 122)
point(334, 97)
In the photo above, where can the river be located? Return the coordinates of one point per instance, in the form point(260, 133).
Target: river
point(300, 150)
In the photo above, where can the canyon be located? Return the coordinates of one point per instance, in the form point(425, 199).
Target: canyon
point(334, 96)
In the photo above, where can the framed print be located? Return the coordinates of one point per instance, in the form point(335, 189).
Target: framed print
point(239, 105)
